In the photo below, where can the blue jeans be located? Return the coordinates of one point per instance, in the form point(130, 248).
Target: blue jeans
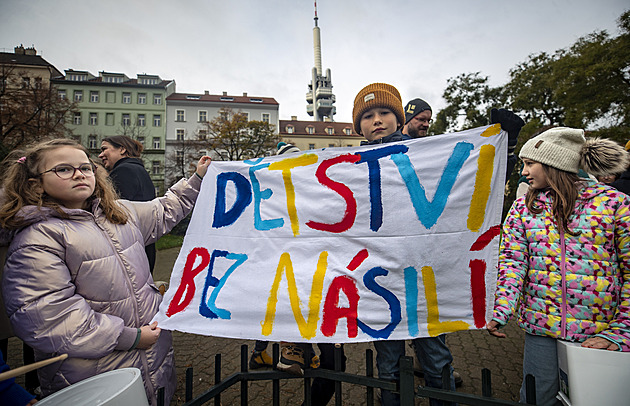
point(540, 359)
point(432, 353)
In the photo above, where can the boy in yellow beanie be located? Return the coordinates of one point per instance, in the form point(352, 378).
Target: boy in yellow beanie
point(378, 114)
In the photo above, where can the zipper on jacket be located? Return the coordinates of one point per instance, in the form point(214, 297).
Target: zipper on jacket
point(142, 353)
point(563, 268)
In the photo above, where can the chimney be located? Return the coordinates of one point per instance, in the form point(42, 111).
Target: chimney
point(224, 93)
point(30, 51)
point(293, 118)
point(19, 50)
point(244, 94)
point(206, 92)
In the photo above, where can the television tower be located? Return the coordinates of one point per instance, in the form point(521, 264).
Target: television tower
point(320, 98)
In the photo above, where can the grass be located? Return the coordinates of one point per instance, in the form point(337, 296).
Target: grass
point(169, 241)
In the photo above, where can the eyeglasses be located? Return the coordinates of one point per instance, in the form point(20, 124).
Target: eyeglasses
point(65, 171)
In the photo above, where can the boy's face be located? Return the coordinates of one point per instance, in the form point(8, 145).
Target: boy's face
point(378, 122)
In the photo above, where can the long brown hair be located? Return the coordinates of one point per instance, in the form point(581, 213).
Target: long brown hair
point(564, 188)
point(24, 166)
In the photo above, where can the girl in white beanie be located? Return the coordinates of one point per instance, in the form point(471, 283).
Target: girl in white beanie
point(565, 255)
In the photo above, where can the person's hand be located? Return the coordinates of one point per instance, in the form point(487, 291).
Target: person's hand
point(202, 165)
point(149, 334)
point(510, 123)
point(600, 343)
point(493, 329)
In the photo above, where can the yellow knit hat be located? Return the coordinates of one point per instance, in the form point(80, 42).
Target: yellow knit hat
point(377, 95)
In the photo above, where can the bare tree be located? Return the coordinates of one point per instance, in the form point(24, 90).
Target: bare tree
point(30, 110)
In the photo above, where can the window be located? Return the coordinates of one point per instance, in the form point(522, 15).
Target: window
point(76, 119)
point(157, 98)
point(26, 82)
point(203, 133)
point(93, 97)
point(141, 140)
point(330, 130)
point(246, 114)
point(310, 130)
point(142, 121)
point(266, 117)
point(347, 131)
point(180, 158)
point(157, 120)
point(179, 133)
point(156, 142)
point(38, 83)
point(126, 98)
point(224, 115)
point(78, 95)
point(110, 97)
point(62, 94)
point(93, 119)
point(92, 142)
point(109, 119)
point(126, 119)
point(311, 146)
point(142, 98)
point(203, 116)
point(290, 129)
point(155, 167)
point(179, 115)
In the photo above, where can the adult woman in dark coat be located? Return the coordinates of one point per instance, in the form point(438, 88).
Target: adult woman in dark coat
point(121, 157)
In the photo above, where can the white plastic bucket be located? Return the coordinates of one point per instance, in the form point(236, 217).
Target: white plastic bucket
point(121, 387)
point(591, 376)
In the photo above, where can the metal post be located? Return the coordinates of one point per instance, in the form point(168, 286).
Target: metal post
point(369, 372)
point(407, 393)
point(189, 384)
point(486, 383)
point(244, 354)
point(275, 356)
point(217, 377)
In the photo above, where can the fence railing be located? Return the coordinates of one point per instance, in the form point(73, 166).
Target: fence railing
point(406, 386)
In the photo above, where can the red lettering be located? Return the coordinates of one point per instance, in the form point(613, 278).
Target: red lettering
point(351, 205)
point(187, 284)
point(478, 291)
point(332, 312)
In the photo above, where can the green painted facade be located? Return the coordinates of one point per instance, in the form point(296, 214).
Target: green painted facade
point(113, 104)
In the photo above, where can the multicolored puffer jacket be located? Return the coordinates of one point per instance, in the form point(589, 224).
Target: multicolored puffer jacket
point(565, 286)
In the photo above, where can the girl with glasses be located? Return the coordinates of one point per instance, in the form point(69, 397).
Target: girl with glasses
point(76, 279)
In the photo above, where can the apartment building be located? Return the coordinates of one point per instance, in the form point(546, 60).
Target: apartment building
point(318, 134)
point(115, 104)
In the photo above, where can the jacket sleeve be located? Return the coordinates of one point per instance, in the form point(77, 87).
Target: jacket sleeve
point(43, 307)
point(158, 216)
point(618, 329)
point(513, 265)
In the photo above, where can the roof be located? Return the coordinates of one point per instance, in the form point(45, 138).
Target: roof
point(100, 82)
point(27, 60)
point(221, 98)
point(320, 128)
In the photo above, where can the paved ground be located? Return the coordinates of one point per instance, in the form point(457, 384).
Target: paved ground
point(472, 351)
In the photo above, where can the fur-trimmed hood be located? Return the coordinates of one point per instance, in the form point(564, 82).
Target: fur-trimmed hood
point(601, 156)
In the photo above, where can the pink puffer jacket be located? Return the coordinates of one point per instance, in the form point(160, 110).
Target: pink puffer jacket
point(81, 286)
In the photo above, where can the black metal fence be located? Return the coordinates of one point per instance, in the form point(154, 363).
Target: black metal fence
point(406, 386)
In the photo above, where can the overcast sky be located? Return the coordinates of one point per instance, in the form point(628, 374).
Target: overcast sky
point(265, 47)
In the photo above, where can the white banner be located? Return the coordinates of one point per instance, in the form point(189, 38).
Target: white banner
point(390, 241)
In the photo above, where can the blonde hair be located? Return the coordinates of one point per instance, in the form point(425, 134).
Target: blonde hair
point(564, 188)
point(24, 166)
